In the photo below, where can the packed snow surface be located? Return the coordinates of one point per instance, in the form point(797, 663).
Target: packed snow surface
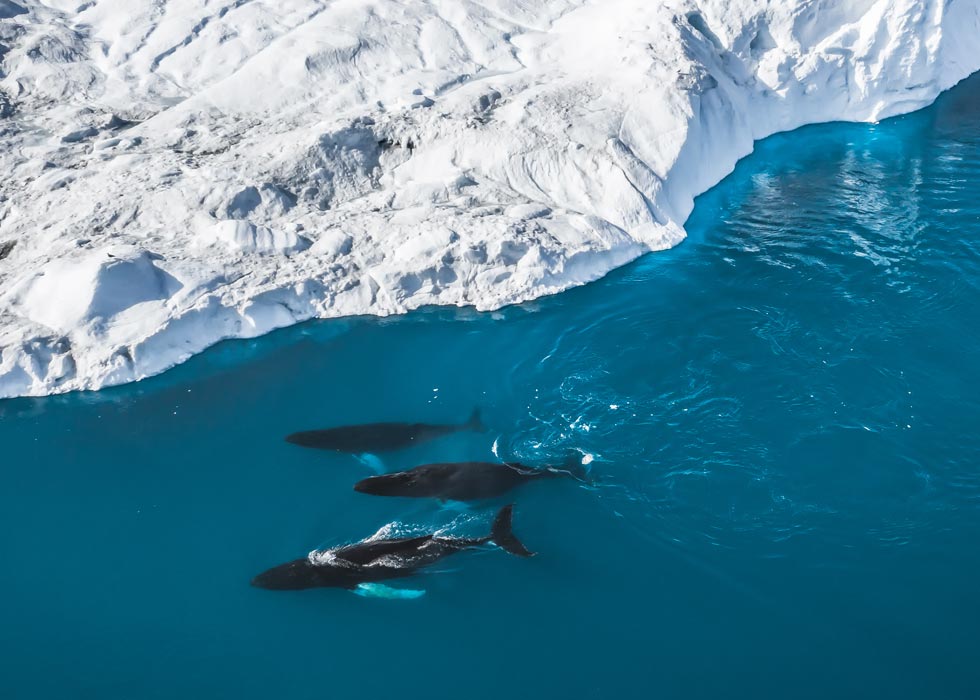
point(176, 172)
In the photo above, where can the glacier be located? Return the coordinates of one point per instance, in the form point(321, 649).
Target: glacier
point(178, 172)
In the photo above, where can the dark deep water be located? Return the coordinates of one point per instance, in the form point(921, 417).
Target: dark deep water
point(783, 414)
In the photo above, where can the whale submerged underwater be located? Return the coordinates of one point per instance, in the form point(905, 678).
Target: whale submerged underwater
point(380, 437)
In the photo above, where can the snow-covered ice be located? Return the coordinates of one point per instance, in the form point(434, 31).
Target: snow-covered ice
point(176, 172)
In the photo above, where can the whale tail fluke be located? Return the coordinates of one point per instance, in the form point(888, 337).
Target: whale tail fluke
point(502, 533)
point(475, 423)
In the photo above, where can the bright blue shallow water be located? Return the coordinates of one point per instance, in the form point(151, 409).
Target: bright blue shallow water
point(783, 413)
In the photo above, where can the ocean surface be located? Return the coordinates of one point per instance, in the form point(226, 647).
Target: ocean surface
point(783, 421)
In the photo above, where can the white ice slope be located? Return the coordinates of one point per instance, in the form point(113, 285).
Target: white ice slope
point(176, 172)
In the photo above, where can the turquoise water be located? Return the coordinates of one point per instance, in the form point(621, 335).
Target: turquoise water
point(782, 415)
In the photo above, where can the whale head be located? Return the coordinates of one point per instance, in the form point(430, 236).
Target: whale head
point(291, 576)
point(401, 484)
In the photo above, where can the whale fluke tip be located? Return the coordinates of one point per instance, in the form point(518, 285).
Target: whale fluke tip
point(502, 533)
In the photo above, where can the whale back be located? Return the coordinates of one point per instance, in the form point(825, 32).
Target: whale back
point(454, 481)
point(370, 552)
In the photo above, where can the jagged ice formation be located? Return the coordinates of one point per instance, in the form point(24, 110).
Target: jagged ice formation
point(176, 172)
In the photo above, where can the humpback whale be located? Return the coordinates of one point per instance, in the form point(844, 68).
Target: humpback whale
point(379, 437)
point(362, 565)
point(462, 481)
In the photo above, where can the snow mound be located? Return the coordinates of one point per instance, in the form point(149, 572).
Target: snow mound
point(292, 159)
point(71, 292)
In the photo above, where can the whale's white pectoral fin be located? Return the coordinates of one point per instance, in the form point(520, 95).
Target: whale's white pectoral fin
point(379, 590)
point(454, 506)
point(372, 462)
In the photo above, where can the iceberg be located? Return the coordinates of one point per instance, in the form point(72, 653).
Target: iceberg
point(181, 172)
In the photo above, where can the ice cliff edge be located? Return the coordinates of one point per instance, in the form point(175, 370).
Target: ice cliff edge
point(179, 172)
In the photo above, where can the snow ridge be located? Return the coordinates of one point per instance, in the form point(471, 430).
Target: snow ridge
point(178, 172)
